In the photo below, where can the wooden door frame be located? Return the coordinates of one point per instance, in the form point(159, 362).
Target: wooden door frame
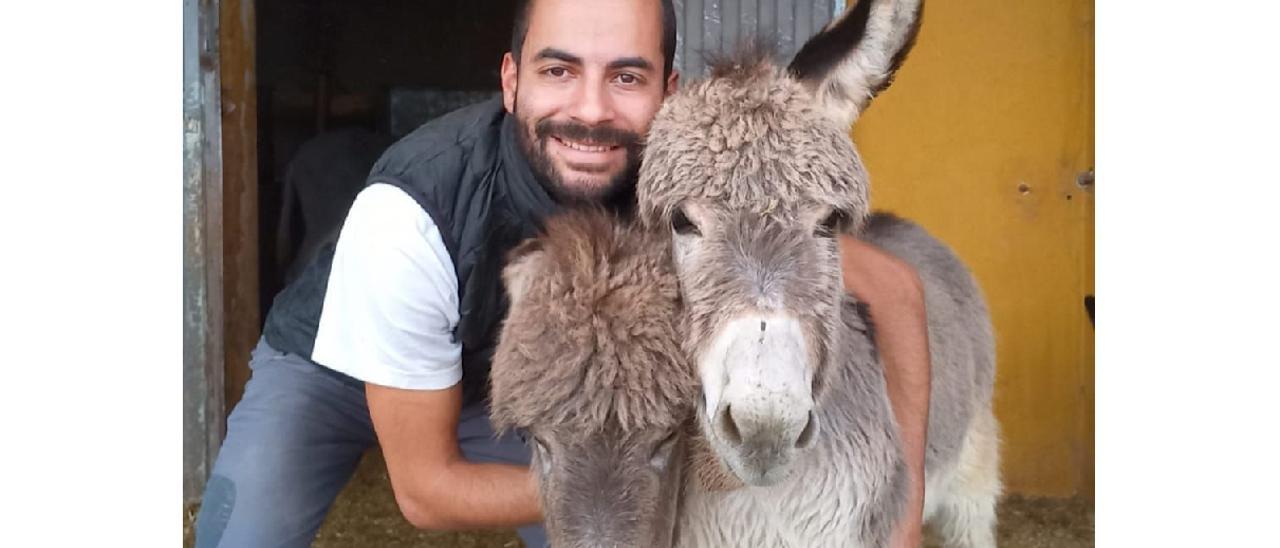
point(241, 299)
point(203, 404)
point(220, 224)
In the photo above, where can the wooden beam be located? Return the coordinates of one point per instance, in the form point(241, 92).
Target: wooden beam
point(240, 191)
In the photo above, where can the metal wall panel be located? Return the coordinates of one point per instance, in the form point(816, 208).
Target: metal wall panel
point(712, 26)
point(709, 27)
point(766, 15)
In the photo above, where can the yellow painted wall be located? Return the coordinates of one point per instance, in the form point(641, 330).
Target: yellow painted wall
point(981, 140)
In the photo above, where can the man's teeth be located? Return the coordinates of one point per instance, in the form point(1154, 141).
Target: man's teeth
point(585, 148)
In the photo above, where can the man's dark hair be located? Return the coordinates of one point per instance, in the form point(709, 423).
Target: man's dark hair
point(521, 27)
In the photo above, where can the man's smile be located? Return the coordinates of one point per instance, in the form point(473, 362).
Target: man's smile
point(587, 155)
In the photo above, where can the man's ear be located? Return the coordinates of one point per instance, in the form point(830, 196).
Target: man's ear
point(509, 73)
point(673, 82)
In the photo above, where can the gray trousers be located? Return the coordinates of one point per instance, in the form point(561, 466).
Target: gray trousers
point(294, 441)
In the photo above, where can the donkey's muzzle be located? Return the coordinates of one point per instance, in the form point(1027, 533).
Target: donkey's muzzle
point(760, 446)
point(760, 409)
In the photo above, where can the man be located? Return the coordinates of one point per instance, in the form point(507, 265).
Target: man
point(386, 339)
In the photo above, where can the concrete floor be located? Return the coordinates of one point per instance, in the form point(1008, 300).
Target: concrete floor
point(365, 515)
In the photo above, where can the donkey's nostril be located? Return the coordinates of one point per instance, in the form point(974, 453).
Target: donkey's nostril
point(809, 434)
point(728, 427)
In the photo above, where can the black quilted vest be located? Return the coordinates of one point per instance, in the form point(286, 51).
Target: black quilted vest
point(466, 170)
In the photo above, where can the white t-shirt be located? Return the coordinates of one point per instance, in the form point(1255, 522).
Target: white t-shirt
point(392, 301)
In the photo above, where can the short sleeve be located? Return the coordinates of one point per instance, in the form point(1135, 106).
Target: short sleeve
point(391, 304)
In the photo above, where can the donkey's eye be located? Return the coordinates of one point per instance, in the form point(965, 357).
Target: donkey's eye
point(541, 446)
point(662, 452)
point(544, 454)
point(833, 224)
point(681, 224)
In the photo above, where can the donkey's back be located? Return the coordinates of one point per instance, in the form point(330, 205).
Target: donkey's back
point(962, 457)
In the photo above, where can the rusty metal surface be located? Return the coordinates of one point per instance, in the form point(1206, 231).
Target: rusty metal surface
point(202, 397)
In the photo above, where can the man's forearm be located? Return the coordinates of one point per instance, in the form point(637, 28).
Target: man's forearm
point(477, 496)
point(893, 293)
point(905, 352)
point(435, 487)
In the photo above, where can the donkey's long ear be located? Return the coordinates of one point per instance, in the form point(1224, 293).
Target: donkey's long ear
point(854, 58)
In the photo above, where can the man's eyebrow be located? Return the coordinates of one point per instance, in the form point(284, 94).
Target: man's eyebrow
point(619, 63)
point(630, 62)
point(553, 53)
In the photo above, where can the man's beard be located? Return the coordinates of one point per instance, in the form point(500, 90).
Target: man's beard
point(618, 193)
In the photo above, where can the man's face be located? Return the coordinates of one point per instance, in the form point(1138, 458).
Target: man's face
point(586, 87)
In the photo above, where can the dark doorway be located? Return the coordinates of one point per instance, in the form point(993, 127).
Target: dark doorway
point(338, 82)
point(380, 68)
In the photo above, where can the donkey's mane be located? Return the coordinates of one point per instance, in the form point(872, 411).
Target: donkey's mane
point(752, 58)
point(592, 343)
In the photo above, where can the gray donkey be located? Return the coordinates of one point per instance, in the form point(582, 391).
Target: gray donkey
point(749, 175)
point(589, 365)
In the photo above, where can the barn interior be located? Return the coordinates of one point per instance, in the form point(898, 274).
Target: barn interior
point(338, 82)
point(312, 91)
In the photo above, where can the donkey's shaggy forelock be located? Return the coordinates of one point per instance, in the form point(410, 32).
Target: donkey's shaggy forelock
point(594, 342)
point(752, 138)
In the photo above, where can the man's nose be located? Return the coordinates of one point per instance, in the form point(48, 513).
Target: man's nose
point(593, 104)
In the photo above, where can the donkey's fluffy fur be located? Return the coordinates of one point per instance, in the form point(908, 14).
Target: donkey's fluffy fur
point(591, 340)
point(751, 139)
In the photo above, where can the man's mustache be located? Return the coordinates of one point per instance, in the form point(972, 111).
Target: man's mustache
point(602, 135)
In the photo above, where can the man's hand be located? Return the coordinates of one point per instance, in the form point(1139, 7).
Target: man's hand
point(434, 486)
point(893, 293)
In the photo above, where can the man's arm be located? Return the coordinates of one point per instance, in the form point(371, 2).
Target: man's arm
point(389, 313)
point(895, 297)
point(434, 486)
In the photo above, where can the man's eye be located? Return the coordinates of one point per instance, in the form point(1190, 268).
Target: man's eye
point(556, 72)
point(628, 79)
